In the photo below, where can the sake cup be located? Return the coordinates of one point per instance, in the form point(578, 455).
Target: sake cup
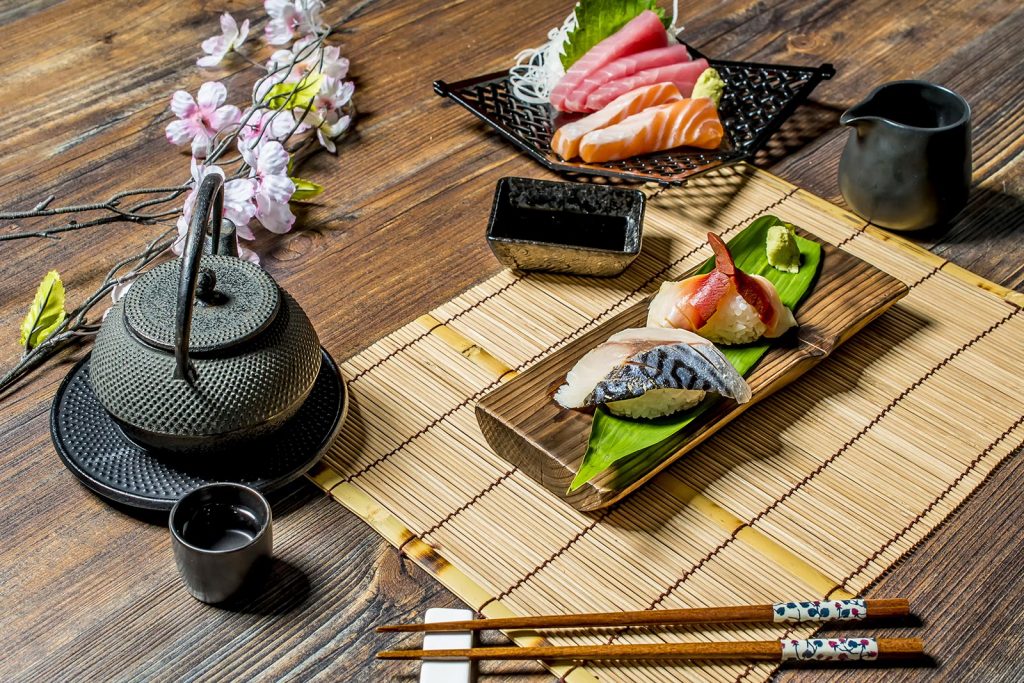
point(220, 534)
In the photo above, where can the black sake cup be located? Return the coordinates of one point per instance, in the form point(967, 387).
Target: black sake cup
point(220, 534)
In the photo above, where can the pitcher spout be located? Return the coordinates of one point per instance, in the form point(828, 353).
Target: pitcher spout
point(858, 114)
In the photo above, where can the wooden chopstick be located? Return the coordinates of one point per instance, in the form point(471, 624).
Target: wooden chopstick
point(865, 649)
point(883, 608)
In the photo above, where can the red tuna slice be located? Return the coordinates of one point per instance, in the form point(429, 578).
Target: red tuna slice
point(684, 75)
point(621, 68)
point(644, 32)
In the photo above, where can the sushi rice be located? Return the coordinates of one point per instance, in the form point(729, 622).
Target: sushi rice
point(657, 403)
point(735, 322)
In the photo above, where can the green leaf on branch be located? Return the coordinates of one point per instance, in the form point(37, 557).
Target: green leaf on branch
point(598, 19)
point(46, 312)
point(305, 189)
point(614, 438)
point(295, 95)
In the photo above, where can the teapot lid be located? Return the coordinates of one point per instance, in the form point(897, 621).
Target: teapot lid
point(235, 301)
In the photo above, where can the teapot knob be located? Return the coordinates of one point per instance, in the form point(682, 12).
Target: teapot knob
point(209, 207)
point(205, 286)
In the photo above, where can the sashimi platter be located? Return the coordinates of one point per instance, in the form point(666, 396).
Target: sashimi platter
point(614, 92)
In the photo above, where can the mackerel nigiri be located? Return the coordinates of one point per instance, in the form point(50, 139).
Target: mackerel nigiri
point(692, 122)
point(726, 305)
point(650, 372)
point(566, 140)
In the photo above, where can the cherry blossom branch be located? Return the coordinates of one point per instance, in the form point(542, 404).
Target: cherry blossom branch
point(77, 325)
point(262, 157)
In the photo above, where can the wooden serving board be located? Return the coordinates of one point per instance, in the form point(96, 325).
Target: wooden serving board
point(523, 424)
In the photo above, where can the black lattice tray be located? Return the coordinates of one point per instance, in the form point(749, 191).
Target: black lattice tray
point(757, 99)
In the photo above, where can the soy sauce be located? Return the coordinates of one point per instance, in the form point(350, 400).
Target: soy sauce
point(592, 231)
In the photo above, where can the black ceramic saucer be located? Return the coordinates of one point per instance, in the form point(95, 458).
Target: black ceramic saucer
point(97, 452)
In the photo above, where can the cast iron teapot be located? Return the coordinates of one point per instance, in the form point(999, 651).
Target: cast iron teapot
point(205, 350)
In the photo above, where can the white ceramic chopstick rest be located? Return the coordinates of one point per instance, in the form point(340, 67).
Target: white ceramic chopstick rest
point(447, 670)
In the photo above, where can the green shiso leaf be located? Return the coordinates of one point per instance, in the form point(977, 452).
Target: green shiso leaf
point(46, 312)
point(598, 19)
point(613, 438)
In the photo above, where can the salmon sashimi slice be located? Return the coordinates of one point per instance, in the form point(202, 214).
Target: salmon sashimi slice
point(691, 122)
point(643, 32)
point(684, 75)
point(621, 68)
point(566, 141)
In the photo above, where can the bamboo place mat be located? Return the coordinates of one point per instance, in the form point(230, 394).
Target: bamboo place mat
point(812, 493)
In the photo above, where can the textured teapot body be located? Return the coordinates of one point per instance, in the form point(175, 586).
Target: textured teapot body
point(191, 371)
point(907, 163)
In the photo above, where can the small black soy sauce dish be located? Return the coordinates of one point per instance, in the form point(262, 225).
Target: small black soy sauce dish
point(907, 163)
point(577, 228)
point(221, 534)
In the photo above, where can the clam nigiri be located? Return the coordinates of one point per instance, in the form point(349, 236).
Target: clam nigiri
point(726, 305)
point(649, 372)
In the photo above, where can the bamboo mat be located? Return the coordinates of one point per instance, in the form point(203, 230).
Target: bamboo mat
point(812, 493)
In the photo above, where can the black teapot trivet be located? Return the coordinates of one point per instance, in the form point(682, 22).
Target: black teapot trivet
point(97, 451)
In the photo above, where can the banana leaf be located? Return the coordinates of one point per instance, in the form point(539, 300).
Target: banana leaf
point(613, 438)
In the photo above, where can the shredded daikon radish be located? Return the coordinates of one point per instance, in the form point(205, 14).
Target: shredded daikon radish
point(538, 70)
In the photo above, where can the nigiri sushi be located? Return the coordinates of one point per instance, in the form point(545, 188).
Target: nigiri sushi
point(726, 305)
point(692, 122)
point(566, 140)
point(650, 372)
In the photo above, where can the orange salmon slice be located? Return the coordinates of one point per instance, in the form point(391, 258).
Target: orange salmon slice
point(691, 122)
point(566, 141)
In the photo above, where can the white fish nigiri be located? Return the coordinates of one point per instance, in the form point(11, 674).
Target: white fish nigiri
point(726, 305)
point(648, 372)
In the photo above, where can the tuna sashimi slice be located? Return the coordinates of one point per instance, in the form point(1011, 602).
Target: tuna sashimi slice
point(643, 32)
point(691, 122)
point(566, 141)
point(684, 75)
point(621, 68)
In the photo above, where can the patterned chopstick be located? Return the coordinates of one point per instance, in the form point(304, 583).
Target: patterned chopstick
point(790, 650)
point(780, 612)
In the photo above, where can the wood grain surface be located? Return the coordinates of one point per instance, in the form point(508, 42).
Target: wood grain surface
point(548, 442)
point(88, 591)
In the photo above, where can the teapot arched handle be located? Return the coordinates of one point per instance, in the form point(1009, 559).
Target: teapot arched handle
point(208, 208)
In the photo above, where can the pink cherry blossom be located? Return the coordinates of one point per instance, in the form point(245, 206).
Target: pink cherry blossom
point(291, 17)
point(200, 119)
point(273, 187)
point(331, 121)
point(263, 127)
point(328, 132)
point(327, 60)
point(231, 37)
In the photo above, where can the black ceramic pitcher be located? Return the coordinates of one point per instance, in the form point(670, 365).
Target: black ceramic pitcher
point(907, 163)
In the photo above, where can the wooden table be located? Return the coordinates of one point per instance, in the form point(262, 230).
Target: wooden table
point(87, 590)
